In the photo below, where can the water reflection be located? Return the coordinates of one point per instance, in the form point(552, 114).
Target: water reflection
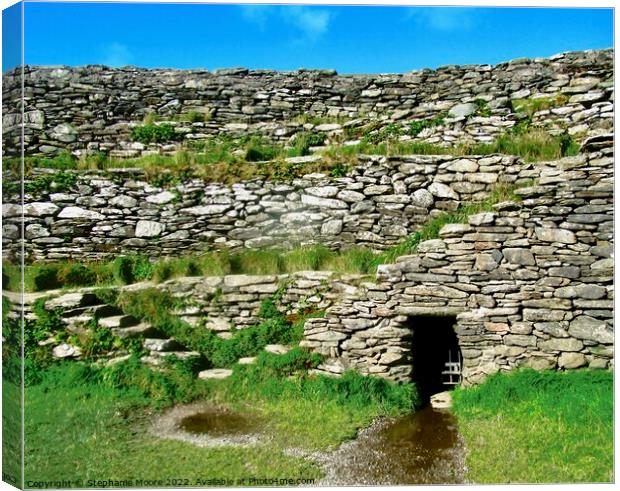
point(421, 448)
point(218, 422)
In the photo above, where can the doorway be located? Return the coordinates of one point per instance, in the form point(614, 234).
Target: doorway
point(437, 361)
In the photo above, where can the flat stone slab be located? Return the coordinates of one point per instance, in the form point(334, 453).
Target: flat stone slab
point(162, 345)
point(441, 400)
point(66, 351)
point(215, 373)
point(158, 358)
point(277, 349)
point(117, 321)
point(248, 360)
point(71, 301)
point(141, 329)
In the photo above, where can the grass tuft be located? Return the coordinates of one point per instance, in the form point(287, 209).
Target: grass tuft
point(532, 105)
point(538, 427)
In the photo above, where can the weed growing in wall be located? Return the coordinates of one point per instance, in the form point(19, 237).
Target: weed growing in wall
point(157, 308)
point(227, 160)
point(482, 108)
point(152, 133)
point(532, 105)
point(430, 230)
point(259, 149)
point(302, 142)
point(125, 270)
point(416, 127)
point(531, 144)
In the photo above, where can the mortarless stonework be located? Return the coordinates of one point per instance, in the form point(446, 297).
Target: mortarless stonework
point(376, 205)
point(94, 108)
point(530, 284)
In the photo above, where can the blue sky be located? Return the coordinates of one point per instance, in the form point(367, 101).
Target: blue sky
point(360, 39)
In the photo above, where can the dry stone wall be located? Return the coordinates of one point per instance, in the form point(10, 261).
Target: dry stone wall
point(530, 284)
point(94, 108)
point(227, 303)
point(376, 205)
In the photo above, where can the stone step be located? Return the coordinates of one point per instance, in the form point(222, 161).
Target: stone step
point(277, 349)
point(117, 359)
point(78, 320)
point(102, 310)
point(66, 351)
point(215, 373)
point(248, 360)
point(161, 345)
point(72, 301)
point(46, 342)
point(442, 400)
point(118, 321)
point(157, 358)
point(141, 329)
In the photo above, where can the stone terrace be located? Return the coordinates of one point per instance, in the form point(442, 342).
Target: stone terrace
point(530, 283)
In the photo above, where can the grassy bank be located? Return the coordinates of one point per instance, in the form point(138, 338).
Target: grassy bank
point(226, 160)
point(96, 428)
point(538, 427)
point(134, 268)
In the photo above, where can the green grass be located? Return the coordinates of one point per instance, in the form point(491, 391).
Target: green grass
point(532, 105)
point(11, 431)
point(82, 425)
point(154, 133)
point(134, 268)
point(538, 427)
point(316, 412)
point(88, 421)
point(416, 127)
point(531, 144)
point(70, 274)
point(227, 160)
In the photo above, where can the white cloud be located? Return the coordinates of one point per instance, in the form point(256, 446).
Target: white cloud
point(116, 54)
point(443, 18)
point(310, 22)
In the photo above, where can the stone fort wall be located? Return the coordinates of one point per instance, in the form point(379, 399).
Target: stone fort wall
point(529, 284)
point(94, 108)
point(376, 205)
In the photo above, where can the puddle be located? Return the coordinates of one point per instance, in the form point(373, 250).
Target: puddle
point(421, 448)
point(218, 422)
point(206, 425)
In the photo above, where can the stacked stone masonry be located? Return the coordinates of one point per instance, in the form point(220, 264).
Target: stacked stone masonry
point(376, 205)
point(222, 304)
point(94, 108)
point(529, 284)
point(226, 303)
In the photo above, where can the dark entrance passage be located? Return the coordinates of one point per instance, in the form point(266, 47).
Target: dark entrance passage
point(436, 354)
